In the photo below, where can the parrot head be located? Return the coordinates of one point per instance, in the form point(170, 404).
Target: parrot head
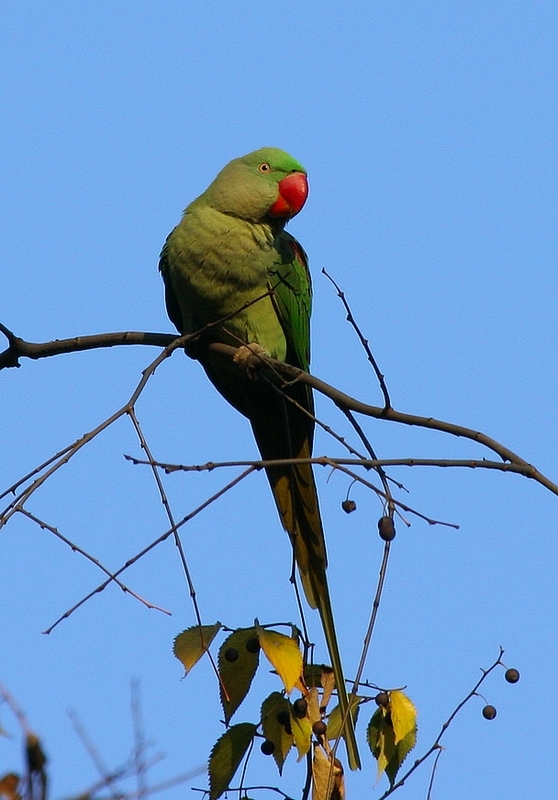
point(263, 184)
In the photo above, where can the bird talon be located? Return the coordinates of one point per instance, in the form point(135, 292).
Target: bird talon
point(244, 354)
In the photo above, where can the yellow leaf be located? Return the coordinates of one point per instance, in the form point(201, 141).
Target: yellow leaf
point(302, 733)
point(190, 645)
point(284, 655)
point(403, 715)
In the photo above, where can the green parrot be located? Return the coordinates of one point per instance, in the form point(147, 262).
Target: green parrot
point(231, 248)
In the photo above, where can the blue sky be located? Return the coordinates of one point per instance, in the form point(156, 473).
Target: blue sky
point(429, 134)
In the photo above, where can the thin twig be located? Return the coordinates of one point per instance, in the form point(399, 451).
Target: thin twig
point(371, 452)
point(436, 745)
point(367, 463)
point(395, 503)
point(150, 547)
point(170, 782)
point(373, 616)
point(249, 789)
point(433, 773)
point(71, 450)
point(364, 342)
point(107, 777)
point(77, 549)
point(10, 700)
point(139, 739)
point(68, 453)
point(346, 401)
point(123, 772)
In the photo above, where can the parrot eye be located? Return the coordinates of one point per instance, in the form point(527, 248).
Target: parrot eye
point(264, 167)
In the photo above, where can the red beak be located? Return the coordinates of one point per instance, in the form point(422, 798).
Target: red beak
point(293, 192)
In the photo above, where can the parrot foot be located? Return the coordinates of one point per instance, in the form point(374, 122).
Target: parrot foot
point(244, 354)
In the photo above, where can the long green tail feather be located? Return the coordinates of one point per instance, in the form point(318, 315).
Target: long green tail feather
point(282, 431)
point(296, 497)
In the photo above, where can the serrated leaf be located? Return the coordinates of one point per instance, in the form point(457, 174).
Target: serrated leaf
point(190, 645)
point(284, 654)
point(403, 715)
point(236, 676)
point(334, 720)
point(328, 782)
point(403, 748)
point(273, 730)
point(381, 740)
point(225, 758)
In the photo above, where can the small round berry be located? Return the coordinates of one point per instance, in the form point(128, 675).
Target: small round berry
point(489, 712)
point(253, 644)
point(348, 506)
point(319, 728)
point(267, 747)
point(300, 707)
point(512, 675)
point(284, 718)
point(231, 654)
point(382, 699)
point(386, 529)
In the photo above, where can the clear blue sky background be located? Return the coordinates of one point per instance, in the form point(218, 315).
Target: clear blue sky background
point(429, 134)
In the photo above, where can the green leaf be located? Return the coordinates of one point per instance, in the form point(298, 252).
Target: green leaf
point(228, 752)
point(404, 747)
point(273, 730)
point(389, 753)
point(190, 645)
point(381, 739)
point(284, 654)
point(236, 676)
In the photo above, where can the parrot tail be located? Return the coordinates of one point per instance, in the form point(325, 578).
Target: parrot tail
point(294, 491)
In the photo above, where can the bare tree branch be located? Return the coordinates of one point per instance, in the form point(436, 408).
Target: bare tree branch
point(19, 348)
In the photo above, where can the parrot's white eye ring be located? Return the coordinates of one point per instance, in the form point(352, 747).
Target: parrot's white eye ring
point(264, 167)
